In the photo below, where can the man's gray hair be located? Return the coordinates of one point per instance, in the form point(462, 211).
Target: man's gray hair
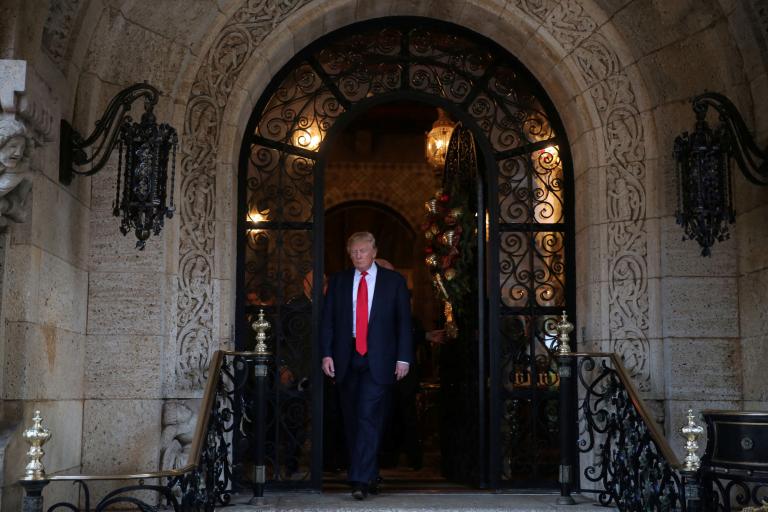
point(361, 236)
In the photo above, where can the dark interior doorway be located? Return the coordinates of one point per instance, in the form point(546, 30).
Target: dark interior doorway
point(380, 157)
point(300, 124)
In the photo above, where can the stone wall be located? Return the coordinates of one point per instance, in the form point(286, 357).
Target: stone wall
point(751, 208)
point(99, 335)
point(44, 294)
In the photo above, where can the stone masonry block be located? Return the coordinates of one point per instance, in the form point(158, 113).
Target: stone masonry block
point(123, 52)
point(22, 280)
point(42, 362)
point(683, 258)
point(112, 251)
point(123, 366)
point(63, 294)
point(66, 236)
point(753, 238)
point(700, 307)
point(126, 303)
point(753, 304)
point(694, 365)
point(754, 362)
point(120, 436)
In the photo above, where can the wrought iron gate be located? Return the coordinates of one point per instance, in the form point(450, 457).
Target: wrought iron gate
point(527, 252)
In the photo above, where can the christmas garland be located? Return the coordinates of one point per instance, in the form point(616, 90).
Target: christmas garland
point(452, 235)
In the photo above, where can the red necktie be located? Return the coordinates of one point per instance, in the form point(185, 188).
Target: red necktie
point(361, 316)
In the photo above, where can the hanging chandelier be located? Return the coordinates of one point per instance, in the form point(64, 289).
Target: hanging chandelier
point(437, 139)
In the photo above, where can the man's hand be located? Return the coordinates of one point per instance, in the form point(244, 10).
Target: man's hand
point(401, 370)
point(328, 368)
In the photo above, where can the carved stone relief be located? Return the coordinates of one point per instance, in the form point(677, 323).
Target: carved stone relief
point(24, 124)
point(211, 89)
point(178, 429)
point(627, 251)
point(15, 172)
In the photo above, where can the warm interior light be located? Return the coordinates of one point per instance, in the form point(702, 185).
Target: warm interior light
point(437, 140)
point(307, 138)
point(548, 171)
point(256, 216)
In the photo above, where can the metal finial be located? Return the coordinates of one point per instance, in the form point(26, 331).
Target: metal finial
point(691, 432)
point(36, 436)
point(261, 326)
point(564, 328)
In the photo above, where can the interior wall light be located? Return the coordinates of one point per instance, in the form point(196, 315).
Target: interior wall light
point(254, 217)
point(705, 199)
point(144, 150)
point(437, 139)
point(307, 137)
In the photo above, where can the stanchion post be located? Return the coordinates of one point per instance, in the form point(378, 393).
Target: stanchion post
point(262, 361)
point(567, 410)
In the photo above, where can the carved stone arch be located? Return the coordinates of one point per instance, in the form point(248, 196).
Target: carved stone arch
point(558, 41)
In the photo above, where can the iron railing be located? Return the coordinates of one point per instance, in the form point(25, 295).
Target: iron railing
point(623, 458)
point(233, 400)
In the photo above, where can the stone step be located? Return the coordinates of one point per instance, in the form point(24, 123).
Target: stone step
point(413, 502)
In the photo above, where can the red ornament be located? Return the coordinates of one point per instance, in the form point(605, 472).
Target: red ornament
point(444, 198)
point(428, 249)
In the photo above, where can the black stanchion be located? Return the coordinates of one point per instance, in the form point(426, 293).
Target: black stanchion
point(693, 494)
point(565, 370)
point(33, 495)
point(261, 370)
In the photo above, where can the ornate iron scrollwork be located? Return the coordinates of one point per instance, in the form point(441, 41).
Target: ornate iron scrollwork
point(500, 102)
point(628, 466)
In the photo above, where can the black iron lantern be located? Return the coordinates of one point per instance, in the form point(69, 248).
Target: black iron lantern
point(705, 201)
point(144, 152)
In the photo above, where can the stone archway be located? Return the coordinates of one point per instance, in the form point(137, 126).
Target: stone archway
point(586, 78)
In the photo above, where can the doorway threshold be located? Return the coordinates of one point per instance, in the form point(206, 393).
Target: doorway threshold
point(479, 501)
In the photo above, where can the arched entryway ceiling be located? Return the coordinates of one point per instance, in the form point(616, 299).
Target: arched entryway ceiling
point(584, 67)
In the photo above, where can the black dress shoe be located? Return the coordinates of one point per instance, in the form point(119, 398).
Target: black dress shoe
point(373, 487)
point(359, 492)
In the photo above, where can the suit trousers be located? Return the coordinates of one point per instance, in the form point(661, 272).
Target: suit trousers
point(364, 403)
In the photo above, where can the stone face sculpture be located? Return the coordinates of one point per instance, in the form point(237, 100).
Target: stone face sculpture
point(15, 172)
point(179, 421)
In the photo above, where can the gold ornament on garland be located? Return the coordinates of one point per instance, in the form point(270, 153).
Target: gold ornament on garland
point(450, 274)
point(431, 260)
point(447, 237)
point(451, 329)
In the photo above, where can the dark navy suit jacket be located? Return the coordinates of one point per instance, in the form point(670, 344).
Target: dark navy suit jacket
point(389, 325)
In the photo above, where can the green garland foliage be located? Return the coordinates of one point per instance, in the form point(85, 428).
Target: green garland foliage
point(451, 229)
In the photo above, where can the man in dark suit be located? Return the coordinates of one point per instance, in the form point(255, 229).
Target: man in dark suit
point(366, 346)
